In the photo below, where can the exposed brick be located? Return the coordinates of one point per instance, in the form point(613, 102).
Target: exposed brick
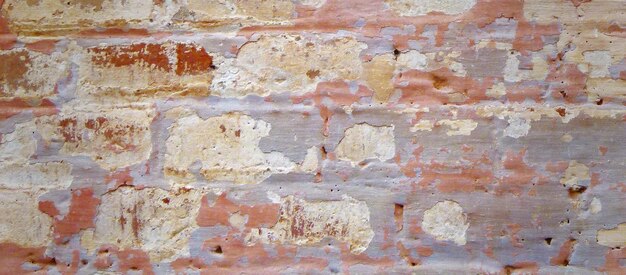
point(306, 223)
point(145, 70)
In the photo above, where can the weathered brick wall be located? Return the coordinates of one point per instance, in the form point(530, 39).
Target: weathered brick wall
point(317, 136)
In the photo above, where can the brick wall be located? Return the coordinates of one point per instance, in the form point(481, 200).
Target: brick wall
point(312, 136)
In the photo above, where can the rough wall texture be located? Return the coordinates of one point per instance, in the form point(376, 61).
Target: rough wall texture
point(312, 136)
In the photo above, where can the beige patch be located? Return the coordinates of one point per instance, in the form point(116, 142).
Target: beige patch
point(311, 160)
point(364, 141)
point(378, 74)
point(21, 221)
point(207, 13)
point(602, 87)
point(422, 125)
point(575, 174)
point(461, 127)
point(567, 138)
point(284, 63)
point(56, 15)
point(265, 10)
point(615, 237)
point(423, 7)
point(307, 223)
point(154, 220)
point(227, 147)
point(446, 222)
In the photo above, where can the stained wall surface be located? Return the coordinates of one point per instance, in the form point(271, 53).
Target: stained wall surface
point(312, 136)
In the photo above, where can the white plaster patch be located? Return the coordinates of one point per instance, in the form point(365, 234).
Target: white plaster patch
point(36, 176)
point(446, 222)
point(287, 63)
point(411, 60)
point(511, 69)
point(313, 3)
point(518, 127)
point(16, 171)
point(599, 63)
point(19, 145)
point(364, 141)
point(226, 146)
point(497, 90)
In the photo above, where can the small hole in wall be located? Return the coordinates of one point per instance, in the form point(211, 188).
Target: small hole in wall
point(396, 52)
point(413, 263)
point(548, 241)
point(599, 101)
point(217, 250)
point(574, 192)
